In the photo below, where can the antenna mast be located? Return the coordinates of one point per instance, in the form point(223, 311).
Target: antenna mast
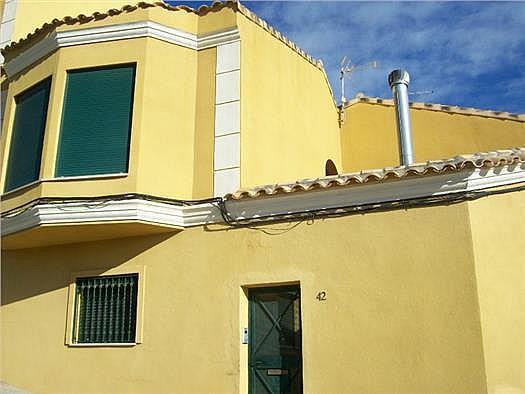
point(346, 67)
point(421, 93)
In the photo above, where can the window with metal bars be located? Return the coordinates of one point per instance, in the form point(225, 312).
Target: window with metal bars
point(106, 309)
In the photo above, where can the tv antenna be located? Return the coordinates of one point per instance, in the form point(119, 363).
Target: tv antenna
point(421, 93)
point(347, 68)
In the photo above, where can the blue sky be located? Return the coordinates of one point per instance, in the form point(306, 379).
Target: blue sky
point(470, 54)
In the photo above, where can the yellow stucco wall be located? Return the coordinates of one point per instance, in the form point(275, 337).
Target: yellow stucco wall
point(27, 18)
point(173, 111)
point(173, 116)
point(402, 311)
point(288, 118)
point(204, 125)
point(369, 139)
point(165, 162)
point(498, 234)
point(56, 65)
point(216, 20)
point(404, 321)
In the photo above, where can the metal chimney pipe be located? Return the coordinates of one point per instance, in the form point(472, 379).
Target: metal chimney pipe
point(398, 81)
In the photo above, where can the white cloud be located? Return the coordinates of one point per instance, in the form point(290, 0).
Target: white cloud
point(452, 48)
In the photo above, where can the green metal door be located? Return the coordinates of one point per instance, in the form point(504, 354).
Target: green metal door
point(274, 345)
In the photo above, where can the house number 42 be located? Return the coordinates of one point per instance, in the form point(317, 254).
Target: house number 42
point(321, 296)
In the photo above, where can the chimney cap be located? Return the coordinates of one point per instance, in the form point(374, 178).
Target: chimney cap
point(398, 76)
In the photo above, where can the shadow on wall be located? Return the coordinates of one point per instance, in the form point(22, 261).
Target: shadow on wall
point(30, 272)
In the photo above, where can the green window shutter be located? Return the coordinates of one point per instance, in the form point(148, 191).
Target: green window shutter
point(96, 122)
point(25, 153)
point(106, 309)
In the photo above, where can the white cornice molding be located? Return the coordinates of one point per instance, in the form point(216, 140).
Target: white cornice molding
point(166, 214)
point(218, 38)
point(137, 209)
point(58, 39)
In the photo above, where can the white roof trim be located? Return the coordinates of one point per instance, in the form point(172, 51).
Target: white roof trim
point(58, 39)
point(162, 213)
point(357, 195)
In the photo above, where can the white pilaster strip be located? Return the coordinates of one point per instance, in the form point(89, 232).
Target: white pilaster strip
point(227, 118)
point(227, 152)
point(227, 148)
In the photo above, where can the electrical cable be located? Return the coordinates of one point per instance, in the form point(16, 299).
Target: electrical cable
point(106, 198)
point(220, 203)
point(365, 208)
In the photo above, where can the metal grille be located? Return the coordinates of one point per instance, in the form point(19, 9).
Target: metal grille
point(106, 309)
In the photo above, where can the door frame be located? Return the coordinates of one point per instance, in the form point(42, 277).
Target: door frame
point(244, 314)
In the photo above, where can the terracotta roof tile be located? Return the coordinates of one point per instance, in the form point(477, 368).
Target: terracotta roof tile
point(434, 167)
point(440, 107)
